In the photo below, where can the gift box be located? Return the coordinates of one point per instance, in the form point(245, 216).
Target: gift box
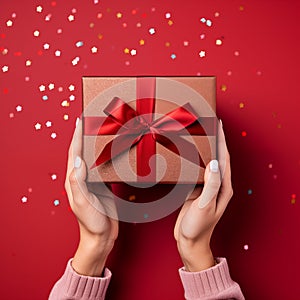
point(148, 129)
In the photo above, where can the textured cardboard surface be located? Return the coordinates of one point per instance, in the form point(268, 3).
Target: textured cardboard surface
point(171, 93)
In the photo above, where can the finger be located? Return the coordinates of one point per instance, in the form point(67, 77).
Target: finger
point(75, 144)
point(77, 177)
point(222, 149)
point(224, 158)
point(212, 183)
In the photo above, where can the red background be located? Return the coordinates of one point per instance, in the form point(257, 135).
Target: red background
point(257, 69)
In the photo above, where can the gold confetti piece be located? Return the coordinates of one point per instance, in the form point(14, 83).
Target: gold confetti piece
point(92, 25)
point(279, 126)
point(142, 42)
point(100, 36)
point(65, 103)
point(170, 23)
point(167, 44)
point(241, 8)
point(66, 117)
point(126, 50)
point(219, 42)
point(242, 105)
point(131, 198)
point(119, 15)
point(223, 88)
point(293, 201)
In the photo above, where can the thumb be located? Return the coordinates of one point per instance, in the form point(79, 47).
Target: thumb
point(77, 179)
point(212, 183)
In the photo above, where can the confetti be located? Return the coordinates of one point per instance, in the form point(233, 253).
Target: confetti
point(19, 108)
point(71, 18)
point(152, 31)
point(94, 49)
point(218, 42)
point(249, 192)
point(293, 200)
point(48, 17)
point(244, 133)
point(168, 15)
point(45, 97)
point(236, 53)
point(5, 69)
point(71, 97)
point(141, 42)
point(185, 43)
point(131, 198)
point(46, 46)
point(53, 176)
point(56, 202)
point(223, 88)
point(9, 23)
point(133, 52)
point(57, 53)
point(241, 105)
point(75, 61)
point(39, 9)
point(246, 247)
point(202, 53)
point(173, 56)
point(48, 123)
point(71, 87)
point(36, 33)
point(79, 44)
point(66, 117)
point(65, 103)
point(51, 86)
point(38, 126)
point(24, 199)
point(53, 135)
point(42, 88)
point(119, 15)
point(28, 63)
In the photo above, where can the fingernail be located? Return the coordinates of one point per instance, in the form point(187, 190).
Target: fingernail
point(77, 162)
point(221, 123)
point(77, 121)
point(214, 166)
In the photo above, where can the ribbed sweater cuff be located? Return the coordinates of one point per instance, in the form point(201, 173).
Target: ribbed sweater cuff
point(86, 287)
point(198, 285)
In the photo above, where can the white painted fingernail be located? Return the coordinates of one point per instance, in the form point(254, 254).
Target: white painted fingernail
point(221, 123)
point(77, 121)
point(214, 166)
point(77, 162)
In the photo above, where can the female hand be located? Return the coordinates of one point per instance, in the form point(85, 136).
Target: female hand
point(199, 215)
point(98, 232)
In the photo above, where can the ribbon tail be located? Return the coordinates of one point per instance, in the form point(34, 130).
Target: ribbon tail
point(181, 147)
point(115, 147)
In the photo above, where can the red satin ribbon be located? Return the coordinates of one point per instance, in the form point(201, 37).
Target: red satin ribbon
point(137, 127)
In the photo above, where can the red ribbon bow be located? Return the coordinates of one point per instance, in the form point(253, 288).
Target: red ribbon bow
point(137, 127)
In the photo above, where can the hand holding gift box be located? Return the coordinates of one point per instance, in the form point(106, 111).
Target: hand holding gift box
point(129, 122)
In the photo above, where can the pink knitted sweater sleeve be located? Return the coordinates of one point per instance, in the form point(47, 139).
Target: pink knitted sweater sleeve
point(211, 284)
point(74, 286)
point(214, 283)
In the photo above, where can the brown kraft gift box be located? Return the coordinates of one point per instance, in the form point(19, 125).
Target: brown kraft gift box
point(138, 102)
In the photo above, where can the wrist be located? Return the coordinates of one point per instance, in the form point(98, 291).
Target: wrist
point(196, 257)
point(91, 255)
